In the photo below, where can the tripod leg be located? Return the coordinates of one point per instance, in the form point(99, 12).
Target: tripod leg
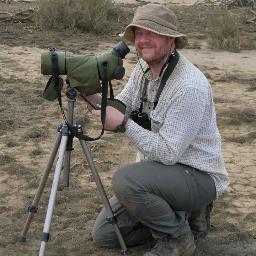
point(46, 234)
point(33, 207)
point(66, 165)
point(103, 195)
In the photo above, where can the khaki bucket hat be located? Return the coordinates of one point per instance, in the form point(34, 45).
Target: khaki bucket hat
point(158, 19)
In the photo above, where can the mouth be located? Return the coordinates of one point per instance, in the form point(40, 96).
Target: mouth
point(146, 49)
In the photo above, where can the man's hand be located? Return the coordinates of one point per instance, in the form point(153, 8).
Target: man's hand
point(113, 118)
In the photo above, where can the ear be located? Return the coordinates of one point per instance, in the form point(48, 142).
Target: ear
point(171, 42)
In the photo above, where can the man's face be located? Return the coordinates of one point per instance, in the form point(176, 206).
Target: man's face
point(152, 47)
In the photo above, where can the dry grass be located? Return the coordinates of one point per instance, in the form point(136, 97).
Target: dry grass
point(248, 138)
point(223, 31)
point(241, 3)
point(237, 117)
point(89, 15)
point(252, 85)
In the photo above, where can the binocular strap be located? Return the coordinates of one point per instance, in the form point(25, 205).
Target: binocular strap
point(171, 64)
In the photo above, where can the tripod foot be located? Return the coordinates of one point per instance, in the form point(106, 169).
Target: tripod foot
point(124, 252)
point(22, 238)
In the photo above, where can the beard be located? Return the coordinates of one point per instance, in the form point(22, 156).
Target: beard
point(160, 58)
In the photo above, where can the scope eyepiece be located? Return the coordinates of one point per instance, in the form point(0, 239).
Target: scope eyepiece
point(121, 49)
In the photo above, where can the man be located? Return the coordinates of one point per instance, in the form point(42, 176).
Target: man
point(170, 117)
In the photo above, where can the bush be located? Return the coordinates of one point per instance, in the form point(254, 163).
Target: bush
point(84, 15)
point(242, 3)
point(223, 31)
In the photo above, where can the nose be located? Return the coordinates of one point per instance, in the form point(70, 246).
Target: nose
point(142, 37)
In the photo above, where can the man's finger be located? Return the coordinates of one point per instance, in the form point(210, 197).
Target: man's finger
point(96, 113)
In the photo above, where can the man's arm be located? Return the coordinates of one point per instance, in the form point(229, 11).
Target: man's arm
point(181, 125)
point(93, 101)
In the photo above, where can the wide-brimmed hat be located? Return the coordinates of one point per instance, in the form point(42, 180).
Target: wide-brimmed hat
point(158, 19)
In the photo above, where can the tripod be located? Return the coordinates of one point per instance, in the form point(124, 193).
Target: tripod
point(63, 144)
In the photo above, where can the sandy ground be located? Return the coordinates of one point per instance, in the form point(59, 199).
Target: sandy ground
point(28, 129)
point(182, 2)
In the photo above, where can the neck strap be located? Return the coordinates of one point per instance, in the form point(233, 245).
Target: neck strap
point(171, 64)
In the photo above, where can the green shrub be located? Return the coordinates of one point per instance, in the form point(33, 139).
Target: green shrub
point(223, 31)
point(84, 15)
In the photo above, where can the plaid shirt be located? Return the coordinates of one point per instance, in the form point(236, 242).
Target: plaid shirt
point(183, 124)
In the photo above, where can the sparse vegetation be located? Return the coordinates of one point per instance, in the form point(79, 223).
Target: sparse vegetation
point(248, 138)
point(223, 31)
point(253, 86)
point(89, 15)
point(241, 3)
point(237, 117)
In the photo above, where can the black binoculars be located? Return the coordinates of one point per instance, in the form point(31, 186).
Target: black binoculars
point(141, 118)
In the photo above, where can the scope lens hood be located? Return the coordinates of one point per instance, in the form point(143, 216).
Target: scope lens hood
point(121, 49)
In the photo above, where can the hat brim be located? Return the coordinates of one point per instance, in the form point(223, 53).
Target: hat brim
point(180, 39)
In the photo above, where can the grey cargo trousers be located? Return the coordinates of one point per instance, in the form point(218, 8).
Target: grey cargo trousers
point(152, 200)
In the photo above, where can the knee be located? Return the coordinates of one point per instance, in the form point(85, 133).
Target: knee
point(122, 182)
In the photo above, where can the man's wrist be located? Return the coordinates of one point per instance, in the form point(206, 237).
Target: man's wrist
point(122, 127)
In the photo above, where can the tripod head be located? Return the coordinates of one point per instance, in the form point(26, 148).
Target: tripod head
point(72, 93)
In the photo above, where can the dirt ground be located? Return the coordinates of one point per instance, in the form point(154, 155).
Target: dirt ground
point(28, 129)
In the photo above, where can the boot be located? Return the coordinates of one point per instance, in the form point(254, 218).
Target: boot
point(199, 221)
point(183, 245)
